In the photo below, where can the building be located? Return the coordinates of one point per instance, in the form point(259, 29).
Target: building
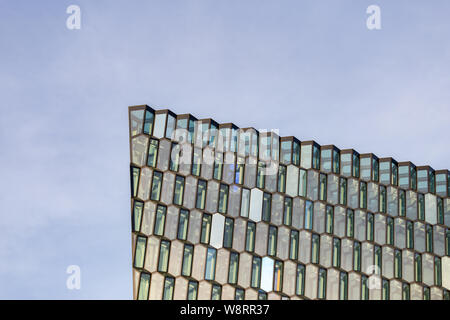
point(220, 212)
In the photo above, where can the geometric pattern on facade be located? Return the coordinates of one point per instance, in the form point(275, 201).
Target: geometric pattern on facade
point(220, 212)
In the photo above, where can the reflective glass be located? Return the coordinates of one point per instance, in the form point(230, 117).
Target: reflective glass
point(210, 266)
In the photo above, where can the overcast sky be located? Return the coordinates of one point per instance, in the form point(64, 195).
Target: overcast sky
point(309, 68)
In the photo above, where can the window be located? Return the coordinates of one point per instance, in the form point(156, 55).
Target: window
point(286, 152)
point(188, 253)
point(323, 187)
point(245, 202)
point(343, 191)
point(174, 162)
point(223, 198)
point(156, 185)
point(370, 226)
point(216, 292)
point(378, 257)
point(315, 248)
point(446, 294)
point(329, 222)
point(375, 169)
point(309, 211)
point(135, 173)
point(300, 283)
point(250, 236)
point(385, 290)
point(296, 153)
point(287, 216)
point(326, 160)
point(293, 248)
point(322, 285)
point(206, 228)
point(256, 272)
point(355, 171)
point(343, 286)
point(413, 175)
point(210, 267)
point(390, 231)
point(409, 235)
point(305, 161)
point(431, 178)
point(316, 157)
point(357, 256)
point(164, 251)
point(302, 183)
point(138, 207)
point(160, 220)
point(179, 190)
point(336, 252)
point(136, 119)
point(183, 221)
point(447, 241)
point(363, 195)
point(139, 256)
point(201, 195)
point(261, 177)
point(426, 293)
point(148, 122)
point(218, 166)
point(336, 161)
point(239, 175)
point(267, 204)
point(233, 268)
point(406, 292)
point(440, 210)
point(272, 242)
point(437, 271)
point(282, 178)
point(239, 294)
point(385, 172)
point(278, 276)
point(262, 295)
point(398, 264)
point(382, 199)
point(228, 233)
point(144, 286)
point(169, 283)
point(394, 176)
point(418, 267)
point(429, 238)
point(364, 288)
point(212, 134)
point(402, 202)
point(192, 290)
point(152, 153)
point(346, 164)
point(170, 126)
point(365, 168)
point(350, 223)
point(421, 206)
point(196, 161)
point(403, 176)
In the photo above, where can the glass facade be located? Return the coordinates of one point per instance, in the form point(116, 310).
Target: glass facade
point(219, 212)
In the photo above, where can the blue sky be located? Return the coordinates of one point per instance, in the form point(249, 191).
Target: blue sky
point(310, 68)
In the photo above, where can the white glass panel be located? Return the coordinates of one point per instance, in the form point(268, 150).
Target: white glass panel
point(267, 274)
point(160, 125)
point(256, 200)
point(218, 222)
